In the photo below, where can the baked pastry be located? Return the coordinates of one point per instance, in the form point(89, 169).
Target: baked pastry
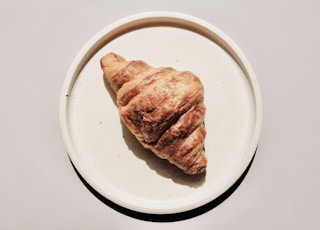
point(162, 107)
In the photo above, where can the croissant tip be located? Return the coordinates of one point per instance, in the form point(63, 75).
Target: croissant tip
point(110, 58)
point(196, 171)
point(199, 166)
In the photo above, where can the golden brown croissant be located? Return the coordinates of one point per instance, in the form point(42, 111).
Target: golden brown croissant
point(163, 108)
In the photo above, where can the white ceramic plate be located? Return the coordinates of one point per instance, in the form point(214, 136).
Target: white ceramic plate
point(110, 159)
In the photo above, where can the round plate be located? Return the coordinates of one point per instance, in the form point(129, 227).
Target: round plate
point(110, 159)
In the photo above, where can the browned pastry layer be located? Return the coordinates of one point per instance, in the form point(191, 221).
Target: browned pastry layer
point(163, 108)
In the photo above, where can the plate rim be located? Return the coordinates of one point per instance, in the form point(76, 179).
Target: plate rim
point(93, 45)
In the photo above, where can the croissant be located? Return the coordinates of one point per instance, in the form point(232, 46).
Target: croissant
point(162, 107)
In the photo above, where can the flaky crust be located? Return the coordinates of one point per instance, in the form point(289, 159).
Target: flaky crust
point(162, 107)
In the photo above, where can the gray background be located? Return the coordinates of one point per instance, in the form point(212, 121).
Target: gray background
point(38, 41)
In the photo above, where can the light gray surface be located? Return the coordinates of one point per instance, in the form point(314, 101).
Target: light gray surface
point(39, 39)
